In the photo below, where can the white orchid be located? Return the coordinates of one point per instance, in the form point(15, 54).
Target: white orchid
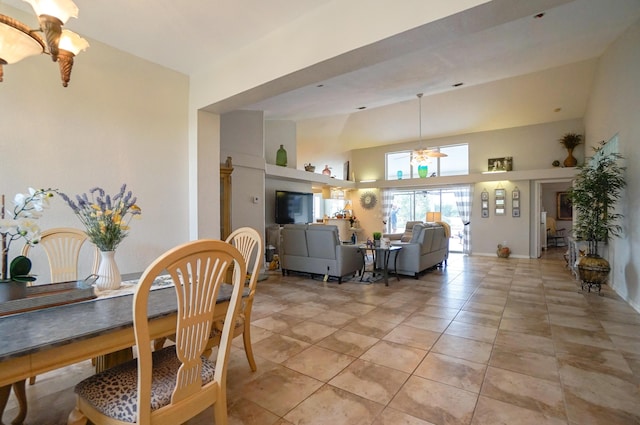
point(21, 224)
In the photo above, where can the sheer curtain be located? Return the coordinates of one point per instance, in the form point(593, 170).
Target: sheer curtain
point(464, 199)
point(387, 201)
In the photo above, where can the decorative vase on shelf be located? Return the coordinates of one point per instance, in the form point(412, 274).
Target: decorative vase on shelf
point(281, 157)
point(423, 170)
point(108, 273)
point(570, 161)
point(326, 171)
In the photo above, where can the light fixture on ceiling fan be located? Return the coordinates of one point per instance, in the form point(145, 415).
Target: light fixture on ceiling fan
point(18, 41)
point(422, 157)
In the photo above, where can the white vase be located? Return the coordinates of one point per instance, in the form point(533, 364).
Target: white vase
point(108, 273)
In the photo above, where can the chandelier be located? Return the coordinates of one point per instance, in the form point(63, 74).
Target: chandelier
point(422, 157)
point(18, 41)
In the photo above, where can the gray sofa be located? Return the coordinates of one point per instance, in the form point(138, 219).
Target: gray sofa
point(428, 247)
point(316, 249)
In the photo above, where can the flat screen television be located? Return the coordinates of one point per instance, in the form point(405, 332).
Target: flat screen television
point(294, 207)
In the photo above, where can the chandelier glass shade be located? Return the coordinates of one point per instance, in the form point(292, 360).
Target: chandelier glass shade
point(422, 157)
point(18, 41)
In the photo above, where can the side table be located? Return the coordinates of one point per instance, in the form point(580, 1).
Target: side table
point(383, 254)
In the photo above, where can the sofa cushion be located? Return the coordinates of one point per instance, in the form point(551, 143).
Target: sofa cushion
point(322, 241)
point(294, 240)
point(408, 231)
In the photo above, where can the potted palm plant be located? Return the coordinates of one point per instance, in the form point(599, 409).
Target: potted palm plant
point(570, 141)
point(597, 188)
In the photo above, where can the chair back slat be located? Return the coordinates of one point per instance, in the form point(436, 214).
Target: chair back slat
point(62, 246)
point(197, 269)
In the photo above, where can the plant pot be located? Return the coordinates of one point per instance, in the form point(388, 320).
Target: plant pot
point(570, 161)
point(376, 243)
point(593, 270)
point(12, 290)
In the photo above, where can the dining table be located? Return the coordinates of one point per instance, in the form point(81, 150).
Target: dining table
point(38, 341)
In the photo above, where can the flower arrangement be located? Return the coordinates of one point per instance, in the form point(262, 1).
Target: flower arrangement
point(106, 218)
point(27, 208)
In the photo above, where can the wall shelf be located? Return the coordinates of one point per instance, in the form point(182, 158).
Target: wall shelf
point(316, 179)
point(544, 174)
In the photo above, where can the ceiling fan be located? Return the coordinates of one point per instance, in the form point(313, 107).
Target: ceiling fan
point(422, 156)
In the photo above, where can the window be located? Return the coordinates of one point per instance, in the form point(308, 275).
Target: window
point(398, 164)
point(412, 205)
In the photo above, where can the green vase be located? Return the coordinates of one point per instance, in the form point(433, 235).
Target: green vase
point(423, 170)
point(281, 157)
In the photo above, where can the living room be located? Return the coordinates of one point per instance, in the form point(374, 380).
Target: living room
point(157, 129)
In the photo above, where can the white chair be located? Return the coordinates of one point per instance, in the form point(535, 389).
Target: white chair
point(249, 242)
point(62, 246)
point(176, 383)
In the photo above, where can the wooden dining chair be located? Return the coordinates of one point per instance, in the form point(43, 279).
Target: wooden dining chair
point(249, 243)
point(62, 246)
point(171, 385)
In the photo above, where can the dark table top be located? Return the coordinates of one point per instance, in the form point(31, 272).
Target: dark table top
point(29, 332)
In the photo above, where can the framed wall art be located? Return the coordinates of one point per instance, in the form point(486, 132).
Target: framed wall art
point(564, 207)
point(515, 202)
point(484, 200)
point(500, 201)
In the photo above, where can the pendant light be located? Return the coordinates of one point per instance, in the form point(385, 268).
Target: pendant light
point(421, 157)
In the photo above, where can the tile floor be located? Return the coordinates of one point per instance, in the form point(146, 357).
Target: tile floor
point(487, 341)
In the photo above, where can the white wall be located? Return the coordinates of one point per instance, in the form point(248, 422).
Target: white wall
point(121, 120)
point(532, 147)
point(613, 108)
point(242, 138)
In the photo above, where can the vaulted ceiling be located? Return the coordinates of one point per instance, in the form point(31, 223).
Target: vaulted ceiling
point(516, 68)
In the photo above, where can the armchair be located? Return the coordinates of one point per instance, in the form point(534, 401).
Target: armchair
point(317, 250)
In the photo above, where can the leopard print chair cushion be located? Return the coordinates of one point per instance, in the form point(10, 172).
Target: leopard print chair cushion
point(114, 392)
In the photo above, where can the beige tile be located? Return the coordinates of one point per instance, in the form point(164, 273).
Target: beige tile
point(480, 307)
point(371, 381)
point(276, 322)
point(319, 363)
point(278, 348)
point(525, 391)
point(391, 416)
point(519, 340)
point(350, 343)
point(336, 319)
point(463, 348)
point(496, 412)
point(600, 398)
point(281, 389)
point(453, 371)
point(309, 331)
point(531, 326)
point(438, 311)
point(396, 356)
point(472, 331)
point(422, 321)
point(413, 337)
point(526, 362)
point(627, 344)
point(331, 405)
point(583, 337)
point(370, 327)
point(484, 319)
point(390, 315)
point(435, 402)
